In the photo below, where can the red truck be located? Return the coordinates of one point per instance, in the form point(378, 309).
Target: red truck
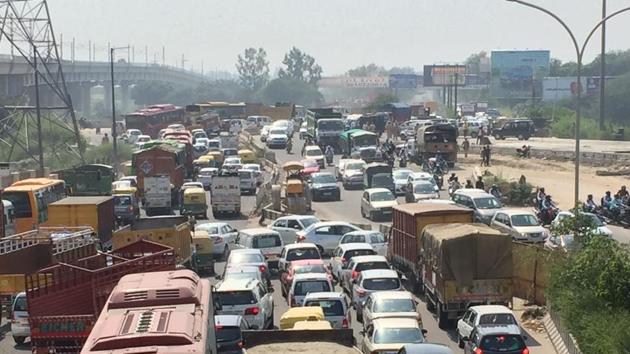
point(64, 300)
point(160, 160)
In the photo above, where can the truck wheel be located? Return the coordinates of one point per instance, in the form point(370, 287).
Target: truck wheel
point(442, 316)
point(19, 340)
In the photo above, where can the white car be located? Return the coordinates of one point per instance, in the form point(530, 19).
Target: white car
point(378, 203)
point(214, 145)
point(264, 133)
point(141, 140)
point(20, 328)
point(313, 152)
point(370, 281)
point(335, 306)
point(344, 252)
point(287, 125)
point(267, 241)
point(248, 181)
point(400, 180)
point(247, 272)
point(600, 227)
point(132, 135)
point(422, 176)
point(289, 225)
point(205, 176)
point(248, 298)
point(420, 190)
point(483, 315)
point(389, 335)
point(522, 225)
point(352, 173)
point(202, 141)
point(303, 130)
point(373, 238)
point(357, 265)
point(248, 256)
point(187, 185)
point(305, 283)
point(277, 138)
point(326, 235)
point(222, 234)
point(297, 252)
point(390, 304)
point(258, 173)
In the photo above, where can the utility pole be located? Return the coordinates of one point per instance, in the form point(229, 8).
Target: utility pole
point(163, 55)
point(146, 54)
point(38, 114)
point(602, 73)
point(128, 54)
point(61, 46)
point(73, 49)
point(456, 82)
point(111, 63)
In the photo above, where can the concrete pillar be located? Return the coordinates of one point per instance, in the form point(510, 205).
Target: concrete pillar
point(124, 97)
point(74, 90)
point(86, 99)
point(108, 97)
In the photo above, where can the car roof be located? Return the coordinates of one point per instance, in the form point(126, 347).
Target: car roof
point(377, 190)
point(427, 348)
point(212, 224)
point(331, 223)
point(420, 175)
point(246, 251)
point(355, 246)
point(292, 246)
point(259, 231)
point(251, 165)
point(296, 217)
point(379, 273)
point(241, 268)
point(324, 295)
point(511, 212)
point(395, 323)
point(300, 262)
point(473, 192)
point(422, 181)
point(237, 284)
point(374, 258)
point(361, 232)
point(391, 294)
point(322, 174)
point(312, 147)
point(310, 276)
point(228, 320)
point(485, 330)
point(491, 309)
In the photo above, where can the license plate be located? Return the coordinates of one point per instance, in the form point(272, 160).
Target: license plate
point(271, 256)
point(327, 193)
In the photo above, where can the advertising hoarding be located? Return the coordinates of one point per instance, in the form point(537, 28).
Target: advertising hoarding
point(565, 87)
point(404, 81)
point(518, 74)
point(442, 75)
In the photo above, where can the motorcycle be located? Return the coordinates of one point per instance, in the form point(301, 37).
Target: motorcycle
point(546, 216)
point(439, 180)
point(453, 187)
point(329, 159)
point(289, 147)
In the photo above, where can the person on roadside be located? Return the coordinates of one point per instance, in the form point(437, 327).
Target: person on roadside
point(589, 205)
point(479, 184)
point(494, 190)
point(466, 147)
point(480, 135)
point(105, 139)
point(606, 200)
point(623, 192)
point(540, 196)
point(469, 184)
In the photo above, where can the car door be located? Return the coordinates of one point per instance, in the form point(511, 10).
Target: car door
point(377, 240)
point(345, 274)
point(267, 301)
point(367, 340)
point(463, 326)
point(281, 226)
point(365, 201)
point(229, 233)
point(240, 242)
point(367, 312)
point(500, 223)
point(293, 226)
point(469, 325)
point(336, 261)
point(355, 287)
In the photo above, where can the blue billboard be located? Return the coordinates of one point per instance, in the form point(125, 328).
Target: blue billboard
point(518, 74)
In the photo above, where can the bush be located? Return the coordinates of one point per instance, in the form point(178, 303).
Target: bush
point(516, 193)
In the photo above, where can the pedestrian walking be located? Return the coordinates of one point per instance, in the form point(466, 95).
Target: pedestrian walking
point(480, 135)
point(488, 154)
point(466, 147)
point(465, 128)
point(388, 130)
point(484, 156)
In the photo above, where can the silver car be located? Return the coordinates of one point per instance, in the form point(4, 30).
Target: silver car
point(371, 281)
point(335, 306)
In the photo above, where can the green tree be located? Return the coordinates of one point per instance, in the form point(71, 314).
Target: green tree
point(253, 69)
point(151, 92)
point(367, 70)
point(290, 90)
point(617, 104)
point(300, 66)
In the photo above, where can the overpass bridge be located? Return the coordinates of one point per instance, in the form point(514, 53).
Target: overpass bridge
point(16, 78)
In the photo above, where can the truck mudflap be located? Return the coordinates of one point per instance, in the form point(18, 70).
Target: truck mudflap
point(339, 336)
point(60, 334)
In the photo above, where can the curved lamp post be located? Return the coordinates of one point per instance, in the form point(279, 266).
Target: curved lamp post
point(579, 51)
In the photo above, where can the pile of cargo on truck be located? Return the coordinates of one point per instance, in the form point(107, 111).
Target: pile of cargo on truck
point(88, 180)
point(324, 126)
point(454, 262)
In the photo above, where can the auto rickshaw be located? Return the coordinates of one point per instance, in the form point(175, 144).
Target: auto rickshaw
point(297, 314)
point(204, 259)
point(124, 187)
point(194, 202)
point(312, 325)
point(126, 208)
point(247, 156)
point(216, 155)
point(201, 162)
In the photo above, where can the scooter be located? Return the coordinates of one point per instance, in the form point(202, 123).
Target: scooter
point(329, 159)
point(439, 180)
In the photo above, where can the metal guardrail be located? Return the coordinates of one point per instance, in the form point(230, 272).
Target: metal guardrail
point(569, 342)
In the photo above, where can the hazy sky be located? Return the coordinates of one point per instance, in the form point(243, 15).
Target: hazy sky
point(340, 34)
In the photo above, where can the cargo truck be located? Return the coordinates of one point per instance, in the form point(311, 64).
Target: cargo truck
point(306, 341)
point(64, 300)
point(464, 265)
point(95, 212)
point(88, 180)
point(325, 126)
point(225, 194)
point(158, 195)
point(161, 159)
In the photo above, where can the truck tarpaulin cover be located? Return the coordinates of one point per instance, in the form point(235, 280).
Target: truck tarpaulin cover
point(455, 247)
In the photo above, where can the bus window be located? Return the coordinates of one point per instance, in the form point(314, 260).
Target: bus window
point(21, 204)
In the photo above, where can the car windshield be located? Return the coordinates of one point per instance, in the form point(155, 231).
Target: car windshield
point(524, 220)
point(311, 286)
point(122, 201)
point(324, 178)
point(238, 258)
point(330, 125)
point(314, 152)
point(394, 305)
point(423, 188)
point(353, 239)
point(497, 319)
point(230, 298)
point(355, 166)
point(302, 253)
point(245, 174)
point(487, 203)
point(267, 241)
point(354, 253)
point(381, 284)
point(330, 307)
point(502, 343)
point(212, 230)
point(308, 221)
point(398, 335)
point(371, 265)
point(228, 334)
point(310, 268)
point(310, 163)
point(382, 196)
point(277, 132)
point(234, 275)
point(401, 174)
point(20, 304)
point(381, 180)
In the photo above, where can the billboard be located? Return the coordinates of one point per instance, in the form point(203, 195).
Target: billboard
point(404, 81)
point(565, 87)
point(518, 74)
point(365, 82)
point(442, 75)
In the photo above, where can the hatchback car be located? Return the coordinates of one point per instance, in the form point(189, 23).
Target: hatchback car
point(400, 180)
point(249, 257)
point(420, 190)
point(390, 304)
point(483, 315)
point(522, 225)
point(301, 267)
point(389, 335)
point(295, 252)
point(374, 238)
point(344, 252)
point(326, 235)
point(247, 298)
point(315, 153)
point(357, 265)
point(267, 241)
point(484, 204)
point(229, 333)
point(335, 306)
point(287, 226)
point(370, 281)
point(20, 328)
point(258, 173)
point(504, 339)
point(378, 203)
point(324, 187)
point(222, 234)
point(306, 283)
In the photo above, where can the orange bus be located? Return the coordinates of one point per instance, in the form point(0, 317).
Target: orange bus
point(30, 198)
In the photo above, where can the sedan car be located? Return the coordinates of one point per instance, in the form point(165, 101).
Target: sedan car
point(258, 173)
point(400, 180)
point(306, 283)
point(289, 225)
point(389, 335)
point(420, 190)
point(324, 186)
point(300, 267)
point(277, 138)
point(248, 256)
point(222, 234)
point(295, 252)
point(335, 306)
point(522, 225)
point(390, 304)
point(421, 176)
point(378, 203)
point(373, 238)
point(326, 235)
point(341, 255)
point(357, 265)
point(600, 227)
point(229, 333)
point(315, 153)
point(563, 243)
point(370, 281)
point(310, 167)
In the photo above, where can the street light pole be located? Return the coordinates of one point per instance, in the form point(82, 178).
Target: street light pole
point(114, 133)
point(579, 51)
point(602, 72)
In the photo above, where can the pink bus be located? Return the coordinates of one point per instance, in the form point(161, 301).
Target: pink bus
point(159, 312)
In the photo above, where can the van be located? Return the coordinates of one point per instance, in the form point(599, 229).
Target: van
point(484, 204)
point(8, 218)
point(20, 328)
point(259, 121)
point(267, 241)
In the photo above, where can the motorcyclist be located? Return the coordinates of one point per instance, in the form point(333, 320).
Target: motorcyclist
point(540, 197)
point(479, 184)
point(452, 178)
point(589, 205)
point(494, 190)
point(455, 185)
point(548, 208)
point(623, 193)
point(606, 200)
point(403, 161)
point(615, 205)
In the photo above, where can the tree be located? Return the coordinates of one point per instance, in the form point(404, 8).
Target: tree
point(474, 60)
point(367, 70)
point(253, 69)
point(402, 70)
point(289, 89)
point(300, 66)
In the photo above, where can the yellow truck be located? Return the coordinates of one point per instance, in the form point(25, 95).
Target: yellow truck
point(172, 231)
point(203, 258)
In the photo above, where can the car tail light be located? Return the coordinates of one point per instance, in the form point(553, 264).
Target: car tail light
point(252, 311)
point(344, 323)
point(355, 274)
point(525, 351)
point(262, 268)
point(218, 327)
point(478, 351)
point(129, 208)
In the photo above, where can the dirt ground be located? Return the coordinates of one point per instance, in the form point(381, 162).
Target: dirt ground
point(556, 177)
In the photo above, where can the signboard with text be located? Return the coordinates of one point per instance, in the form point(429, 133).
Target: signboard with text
point(442, 75)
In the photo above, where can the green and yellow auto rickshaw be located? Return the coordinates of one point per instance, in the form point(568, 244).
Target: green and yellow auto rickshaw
point(194, 203)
